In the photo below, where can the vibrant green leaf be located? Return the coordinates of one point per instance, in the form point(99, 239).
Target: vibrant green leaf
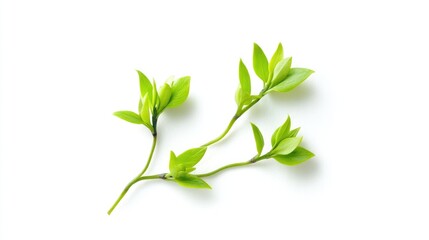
point(191, 181)
point(293, 133)
point(286, 146)
point(260, 63)
point(259, 139)
point(281, 70)
point(295, 77)
point(276, 58)
point(241, 97)
point(155, 97)
point(281, 132)
point(129, 116)
point(244, 77)
point(173, 163)
point(179, 91)
point(191, 157)
point(145, 85)
point(164, 96)
point(145, 112)
point(299, 155)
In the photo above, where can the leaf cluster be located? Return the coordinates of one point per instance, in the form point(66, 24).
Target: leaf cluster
point(154, 101)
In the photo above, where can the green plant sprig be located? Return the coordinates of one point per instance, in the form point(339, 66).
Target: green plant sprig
point(277, 76)
point(152, 103)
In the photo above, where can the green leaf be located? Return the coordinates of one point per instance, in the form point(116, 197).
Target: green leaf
point(293, 133)
point(179, 91)
point(155, 97)
point(145, 112)
point(295, 77)
point(129, 116)
point(260, 63)
point(281, 70)
point(191, 181)
point(191, 157)
point(164, 96)
point(276, 58)
point(259, 139)
point(299, 155)
point(286, 146)
point(241, 97)
point(243, 75)
point(173, 163)
point(145, 86)
point(281, 132)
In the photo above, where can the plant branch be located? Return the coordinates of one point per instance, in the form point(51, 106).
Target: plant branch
point(129, 185)
point(232, 165)
point(237, 115)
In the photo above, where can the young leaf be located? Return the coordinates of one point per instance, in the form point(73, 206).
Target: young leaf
point(145, 112)
point(129, 116)
point(179, 91)
point(164, 96)
point(145, 86)
point(260, 63)
point(173, 163)
point(243, 75)
point(293, 133)
point(286, 146)
point(191, 157)
point(241, 97)
point(155, 97)
point(295, 77)
point(276, 58)
point(191, 181)
point(281, 70)
point(281, 132)
point(259, 139)
point(299, 155)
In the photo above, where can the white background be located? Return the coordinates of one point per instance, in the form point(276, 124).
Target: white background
point(67, 65)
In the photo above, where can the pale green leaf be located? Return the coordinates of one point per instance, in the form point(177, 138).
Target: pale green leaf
point(281, 132)
point(276, 58)
point(259, 139)
point(191, 157)
point(129, 116)
point(179, 91)
point(173, 163)
point(155, 97)
point(295, 77)
point(164, 96)
point(241, 97)
point(281, 70)
point(260, 63)
point(299, 155)
point(191, 181)
point(243, 75)
point(145, 112)
point(145, 85)
point(286, 146)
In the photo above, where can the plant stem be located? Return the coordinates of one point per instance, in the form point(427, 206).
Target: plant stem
point(231, 123)
point(152, 150)
point(237, 115)
point(232, 165)
point(137, 179)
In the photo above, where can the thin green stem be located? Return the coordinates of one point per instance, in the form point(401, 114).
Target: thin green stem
point(232, 165)
point(152, 150)
point(129, 185)
point(237, 115)
point(231, 123)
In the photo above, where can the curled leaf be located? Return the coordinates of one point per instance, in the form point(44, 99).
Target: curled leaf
point(259, 139)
